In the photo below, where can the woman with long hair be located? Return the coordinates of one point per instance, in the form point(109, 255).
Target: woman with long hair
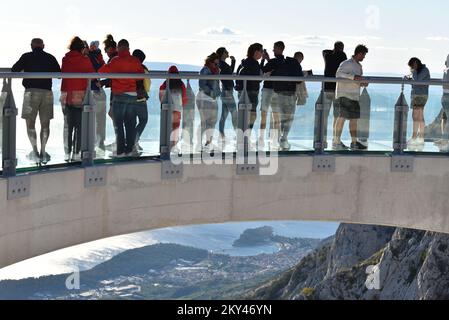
point(251, 67)
point(72, 96)
point(206, 100)
point(420, 95)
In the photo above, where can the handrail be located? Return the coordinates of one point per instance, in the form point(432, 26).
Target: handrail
point(196, 76)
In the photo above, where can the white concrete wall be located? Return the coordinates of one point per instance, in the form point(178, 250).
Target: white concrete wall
point(60, 212)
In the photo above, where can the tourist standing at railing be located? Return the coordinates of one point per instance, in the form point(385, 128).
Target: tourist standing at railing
point(143, 95)
point(110, 47)
point(251, 67)
point(286, 95)
point(348, 96)
point(445, 103)
point(302, 93)
point(269, 97)
point(38, 97)
point(229, 105)
point(73, 92)
point(125, 102)
point(332, 60)
point(206, 100)
point(420, 96)
point(178, 99)
point(99, 96)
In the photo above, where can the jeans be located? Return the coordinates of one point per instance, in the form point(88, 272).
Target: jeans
point(124, 114)
point(142, 115)
point(445, 103)
point(74, 115)
point(254, 101)
point(228, 106)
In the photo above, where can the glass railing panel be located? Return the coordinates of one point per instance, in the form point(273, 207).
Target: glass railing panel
point(434, 138)
point(43, 105)
point(373, 113)
point(301, 136)
point(147, 124)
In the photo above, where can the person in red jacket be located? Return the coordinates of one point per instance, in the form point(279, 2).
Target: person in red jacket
point(178, 95)
point(72, 95)
point(125, 102)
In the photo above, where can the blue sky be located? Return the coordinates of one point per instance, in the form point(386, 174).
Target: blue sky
point(186, 32)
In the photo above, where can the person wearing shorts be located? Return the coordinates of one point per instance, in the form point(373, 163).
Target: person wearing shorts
point(419, 99)
point(38, 98)
point(348, 96)
point(38, 102)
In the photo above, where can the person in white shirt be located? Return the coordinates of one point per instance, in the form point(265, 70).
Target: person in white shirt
point(348, 97)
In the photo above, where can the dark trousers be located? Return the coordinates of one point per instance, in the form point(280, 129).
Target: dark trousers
point(142, 115)
point(229, 106)
point(124, 113)
point(74, 114)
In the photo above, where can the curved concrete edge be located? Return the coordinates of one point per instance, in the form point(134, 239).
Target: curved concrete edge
point(61, 213)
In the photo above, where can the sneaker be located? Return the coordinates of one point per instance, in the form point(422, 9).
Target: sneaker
point(358, 146)
point(101, 146)
point(284, 145)
point(339, 147)
point(444, 147)
point(67, 157)
point(45, 158)
point(76, 157)
point(420, 141)
point(411, 143)
point(34, 156)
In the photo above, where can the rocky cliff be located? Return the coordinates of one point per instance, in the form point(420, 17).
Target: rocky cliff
point(368, 262)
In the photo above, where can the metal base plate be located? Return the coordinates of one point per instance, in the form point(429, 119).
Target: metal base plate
point(402, 163)
point(171, 171)
point(248, 169)
point(19, 187)
point(324, 164)
point(95, 177)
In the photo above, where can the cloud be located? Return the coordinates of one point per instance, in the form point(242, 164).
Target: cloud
point(326, 40)
point(221, 31)
point(311, 40)
point(437, 38)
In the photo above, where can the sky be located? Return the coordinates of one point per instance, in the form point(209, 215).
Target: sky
point(188, 31)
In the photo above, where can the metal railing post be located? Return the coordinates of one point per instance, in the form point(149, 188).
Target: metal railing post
point(166, 124)
point(9, 157)
point(88, 128)
point(319, 143)
point(400, 124)
point(243, 121)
